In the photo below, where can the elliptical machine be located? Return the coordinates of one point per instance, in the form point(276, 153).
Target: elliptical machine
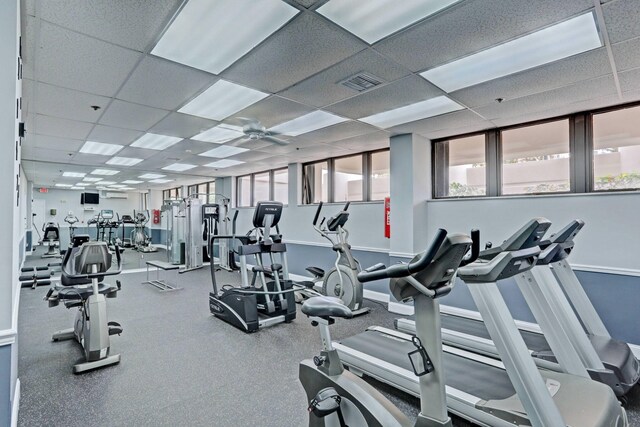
point(140, 240)
point(338, 397)
point(71, 219)
point(85, 266)
point(342, 280)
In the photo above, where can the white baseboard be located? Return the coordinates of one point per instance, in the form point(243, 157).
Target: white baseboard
point(15, 407)
point(376, 296)
point(399, 308)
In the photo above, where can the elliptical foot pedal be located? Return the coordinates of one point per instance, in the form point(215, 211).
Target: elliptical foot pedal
point(114, 328)
point(326, 402)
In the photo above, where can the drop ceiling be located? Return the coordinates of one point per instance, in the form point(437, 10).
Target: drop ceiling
point(81, 54)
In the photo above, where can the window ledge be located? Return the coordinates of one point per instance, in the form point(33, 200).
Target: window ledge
point(370, 202)
point(533, 196)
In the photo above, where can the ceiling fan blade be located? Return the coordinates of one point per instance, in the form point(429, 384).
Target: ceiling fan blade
point(252, 123)
point(275, 140)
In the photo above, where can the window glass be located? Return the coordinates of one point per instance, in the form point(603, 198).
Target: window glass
point(315, 186)
point(261, 185)
point(535, 159)
point(202, 191)
point(380, 175)
point(192, 189)
point(211, 190)
point(281, 186)
point(461, 167)
point(244, 191)
point(616, 150)
point(347, 179)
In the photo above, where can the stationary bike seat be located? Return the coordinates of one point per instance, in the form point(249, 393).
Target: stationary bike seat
point(322, 306)
point(316, 271)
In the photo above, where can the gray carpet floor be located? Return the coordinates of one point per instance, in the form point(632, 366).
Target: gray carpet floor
point(180, 365)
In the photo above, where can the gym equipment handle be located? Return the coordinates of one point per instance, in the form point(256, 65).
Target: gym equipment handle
point(404, 270)
point(315, 218)
point(475, 248)
point(346, 206)
point(93, 275)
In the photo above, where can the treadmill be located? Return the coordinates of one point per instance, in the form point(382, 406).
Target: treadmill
point(489, 392)
point(597, 355)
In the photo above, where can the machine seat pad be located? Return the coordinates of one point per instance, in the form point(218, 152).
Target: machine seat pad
point(322, 306)
point(71, 293)
point(316, 271)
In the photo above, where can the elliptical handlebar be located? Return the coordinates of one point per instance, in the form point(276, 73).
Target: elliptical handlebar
point(93, 275)
point(475, 248)
point(380, 271)
point(346, 206)
point(315, 218)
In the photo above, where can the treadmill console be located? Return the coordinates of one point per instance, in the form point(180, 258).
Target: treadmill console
point(106, 214)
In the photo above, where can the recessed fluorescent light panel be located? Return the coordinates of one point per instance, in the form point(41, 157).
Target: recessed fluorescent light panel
point(123, 161)
point(309, 122)
point(64, 185)
point(419, 110)
point(154, 141)
point(179, 167)
point(74, 174)
point(160, 181)
point(221, 100)
point(90, 179)
point(127, 188)
point(224, 151)
point(151, 176)
point(77, 188)
point(568, 38)
point(373, 20)
point(91, 147)
point(131, 181)
point(104, 172)
point(103, 183)
point(219, 134)
point(83, 184)
point(220, 164)
point(233, 27)
point(117, 186)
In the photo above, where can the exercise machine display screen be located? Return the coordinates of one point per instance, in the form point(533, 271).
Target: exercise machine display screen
point(106, 214)
point(210, 210)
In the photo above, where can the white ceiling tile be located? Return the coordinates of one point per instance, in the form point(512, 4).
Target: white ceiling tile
point(452, 120)
point(325, 88)
point(30, 24)
point(394, 95)
point(307, 3)
point(69, 104)
point(445, 133)
point(188, 147)
point(90, 160)
point(251, 144)
point(626, 55)
point(131, 116)
point(271, 111)
point(471, 26)
point(113, 135)
point(367, 142)
point(53, 143)
point(164, 84)
point(28, 98)
point(574, 69)
point(136, 153)
point(621, 19)
point(43, 154)
point(629, 80)
point(182, 125)
point(251, 156)
point(54, 126)
point(336, 132)
point(83, 63)
point(301, 48)
point(130, 23)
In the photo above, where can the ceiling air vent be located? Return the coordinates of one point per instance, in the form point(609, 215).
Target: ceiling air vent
point(362, 81)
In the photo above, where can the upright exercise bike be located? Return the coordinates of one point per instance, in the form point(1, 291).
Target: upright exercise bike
point(340, 398)
point(84, 267)
point(341, 281)
point(51, 236)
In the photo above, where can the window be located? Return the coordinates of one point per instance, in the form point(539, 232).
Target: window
point(616, 150)
point(461, 166)
point(380, 175)
point(347, 179)
point(535, 159)
point(281, 186)
point(315, 185)
point(244, 191)
point(261, 187)
point(192, 189)
point(165, 195)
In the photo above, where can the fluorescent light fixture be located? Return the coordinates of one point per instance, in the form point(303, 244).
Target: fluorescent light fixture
point(224, 151)
point(154, 141)
point(131, 181)
point(104, 172)
point(127, 188)
point(219, 134)
point(117, 186)
point(221, 100)
point(77, 188)
point(234, 27)
point(309, 122)
point(107, 183)
point(91, 179)
point(373, 20)
point(419, 110)
point(83, 184)
point(123, 161)
point(151, 176)
point(160, 181)
point(63, 185)
point(179, 167)
point(225, 163)
point(74, 174)
point(571, 37)
point(91, 147)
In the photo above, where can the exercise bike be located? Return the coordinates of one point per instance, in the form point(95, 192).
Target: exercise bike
point(340, 398)
point(85, 266)
point(341, 281)
point(51, 235)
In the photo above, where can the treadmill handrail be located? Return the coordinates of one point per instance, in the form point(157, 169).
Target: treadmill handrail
point(380, 271)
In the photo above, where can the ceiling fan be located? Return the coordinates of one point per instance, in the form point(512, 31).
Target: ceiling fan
point(254, 130)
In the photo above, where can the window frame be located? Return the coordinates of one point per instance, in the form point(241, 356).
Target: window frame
point(252, 186)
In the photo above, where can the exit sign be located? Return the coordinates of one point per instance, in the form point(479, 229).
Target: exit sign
point(43, 190)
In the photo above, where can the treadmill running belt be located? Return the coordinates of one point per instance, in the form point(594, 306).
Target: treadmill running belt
point(475, 378)
point(534, 341)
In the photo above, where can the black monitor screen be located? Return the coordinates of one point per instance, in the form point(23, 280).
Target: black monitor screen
point(90, 198)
